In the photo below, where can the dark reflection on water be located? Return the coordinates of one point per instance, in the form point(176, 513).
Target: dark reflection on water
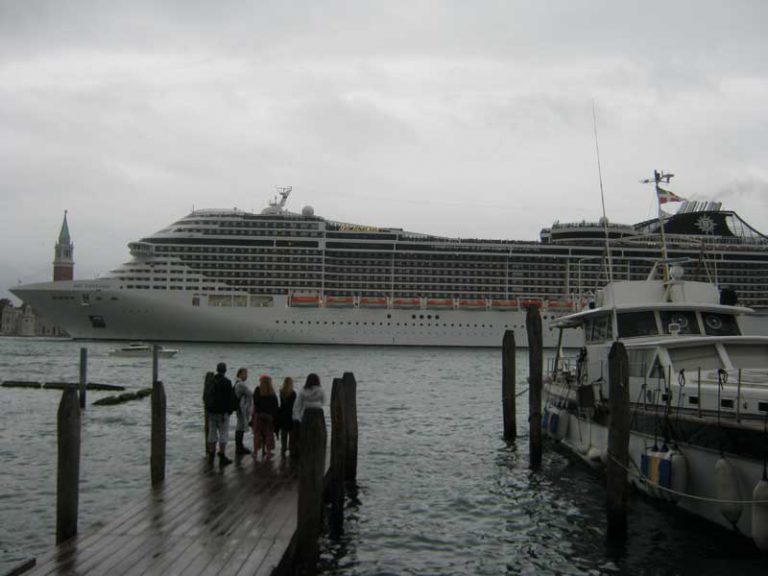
point(439, 491)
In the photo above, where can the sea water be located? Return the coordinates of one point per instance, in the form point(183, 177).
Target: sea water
point(439, 490)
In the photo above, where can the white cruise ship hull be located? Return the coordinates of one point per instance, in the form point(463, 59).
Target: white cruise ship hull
point(101, 310)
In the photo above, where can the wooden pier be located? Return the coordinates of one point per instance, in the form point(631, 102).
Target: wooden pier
point(255, 516)
point(233, 520)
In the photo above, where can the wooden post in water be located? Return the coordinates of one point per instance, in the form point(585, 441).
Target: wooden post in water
point(83, 375)
point(536, 367)
point(311, 470)
point(508, 385)
point(157, 450)
point(350, 424)
point(155, 363)
point(618, 442)
point(338, 455)
point(68, 468)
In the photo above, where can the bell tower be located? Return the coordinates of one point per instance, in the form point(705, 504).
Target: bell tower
point(63, 264)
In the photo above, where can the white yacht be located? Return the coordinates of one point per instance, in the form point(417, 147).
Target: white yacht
point(698, 393)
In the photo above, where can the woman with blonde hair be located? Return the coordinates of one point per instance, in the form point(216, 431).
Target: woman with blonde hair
point(285, 416)
point(265, 408)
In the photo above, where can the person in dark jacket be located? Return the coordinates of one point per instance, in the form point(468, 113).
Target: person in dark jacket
point(285, 416)
point(219, 404)
point(265, 409)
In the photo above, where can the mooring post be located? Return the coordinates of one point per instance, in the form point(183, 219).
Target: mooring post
point(508, 385)
point(618, 442)
point(313, 439)
point(155, 363)
point(338, 456)
point(83, 375)
point(68, 468)
point(536, 367)
point(157, 451)
point(350, 425)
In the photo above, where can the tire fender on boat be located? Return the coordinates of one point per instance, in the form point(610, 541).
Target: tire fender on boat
point(760, 515)
point(727, 485)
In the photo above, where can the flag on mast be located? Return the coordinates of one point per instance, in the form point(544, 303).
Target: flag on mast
point(667, 196)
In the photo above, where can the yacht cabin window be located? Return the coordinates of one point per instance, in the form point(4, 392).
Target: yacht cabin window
point(598, 329)
point(685, 320)
point(716, 324)
point(634, 324)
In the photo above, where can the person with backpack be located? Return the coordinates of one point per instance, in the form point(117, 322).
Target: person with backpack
point(219, 404)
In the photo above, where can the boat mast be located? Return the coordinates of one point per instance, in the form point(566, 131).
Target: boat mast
point(602, 199)
point(658, 177)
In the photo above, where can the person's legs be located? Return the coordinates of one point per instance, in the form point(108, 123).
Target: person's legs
point(223, 436)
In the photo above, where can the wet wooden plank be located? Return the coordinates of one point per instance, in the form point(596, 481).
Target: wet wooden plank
point(236, 520)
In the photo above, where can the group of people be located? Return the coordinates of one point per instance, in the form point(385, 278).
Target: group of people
point(267, 413)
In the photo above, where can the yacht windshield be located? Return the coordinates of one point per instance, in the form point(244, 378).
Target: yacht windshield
point(716, 324)
point(686, 321)
point(633, 324)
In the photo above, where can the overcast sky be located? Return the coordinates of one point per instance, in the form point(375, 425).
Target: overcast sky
point(455, 118)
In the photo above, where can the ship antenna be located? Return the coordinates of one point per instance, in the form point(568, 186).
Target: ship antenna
point(602, 196)
point(658, 177)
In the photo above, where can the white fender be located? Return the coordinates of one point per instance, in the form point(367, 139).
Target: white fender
point(596, 457)
point(562, 426)
point(760, 515)
point(727, 485)
point(679, 474)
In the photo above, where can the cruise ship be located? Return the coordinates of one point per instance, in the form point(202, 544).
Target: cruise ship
point(298, 278)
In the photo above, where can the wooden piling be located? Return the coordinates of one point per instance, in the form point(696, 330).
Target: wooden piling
point(338, 456)
point(536, 368)
point(83, 375)
point(350, 424)
point(618, 442)
point(155, 363)
point(508, 385)
point(68, 468)
point(310, 506)
point(157, 453)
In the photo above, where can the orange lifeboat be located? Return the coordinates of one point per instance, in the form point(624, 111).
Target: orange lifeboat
point(371, 302)
point(504, 304)
point(530, 302)
point(440, 303)
point(472, 304)
point(560, 305)
point(405, 303)
point(305, 300)
point(339, 301)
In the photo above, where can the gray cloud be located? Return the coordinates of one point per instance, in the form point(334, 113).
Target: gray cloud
point(455, 118)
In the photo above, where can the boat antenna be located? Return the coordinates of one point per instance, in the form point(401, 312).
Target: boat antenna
point(602, 196)
point(662, 196)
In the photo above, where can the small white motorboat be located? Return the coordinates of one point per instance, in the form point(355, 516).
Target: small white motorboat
point(138, 350)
